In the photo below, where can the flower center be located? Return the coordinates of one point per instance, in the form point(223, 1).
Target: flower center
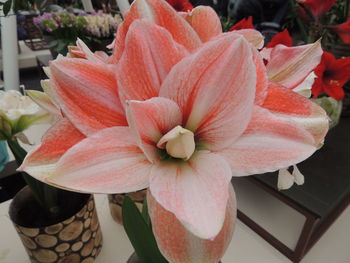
point(178, 142)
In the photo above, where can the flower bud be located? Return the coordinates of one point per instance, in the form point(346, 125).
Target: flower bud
point(179, 143)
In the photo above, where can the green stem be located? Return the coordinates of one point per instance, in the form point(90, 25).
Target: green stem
point(298, 20)
point(347, 9)
point(19, 154)
point(44, 194)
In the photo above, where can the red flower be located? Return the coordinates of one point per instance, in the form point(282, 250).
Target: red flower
point(343, 31)
point(331, 74)
point(283, 38)
point(317, 7)
point(181, 5)
point(245, 23)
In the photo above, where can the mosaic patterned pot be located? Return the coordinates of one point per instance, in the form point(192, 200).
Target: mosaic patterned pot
point(116, 202)
point(77, 239)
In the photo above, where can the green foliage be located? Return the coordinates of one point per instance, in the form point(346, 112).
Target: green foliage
point(140, 233)
point(227, 23)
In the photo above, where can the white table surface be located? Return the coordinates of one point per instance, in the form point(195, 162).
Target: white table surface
point(246, 247)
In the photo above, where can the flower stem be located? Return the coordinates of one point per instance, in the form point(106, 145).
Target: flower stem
point(347, 9)
point(298, 20)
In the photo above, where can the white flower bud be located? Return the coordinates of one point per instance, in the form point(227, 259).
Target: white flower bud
point(179, 143)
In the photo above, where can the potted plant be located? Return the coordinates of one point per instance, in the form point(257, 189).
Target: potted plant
point(178, 108)
point(53, 224)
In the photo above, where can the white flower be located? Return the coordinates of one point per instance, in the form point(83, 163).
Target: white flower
point(13, 105)
point(102, 26)
point(18, 112)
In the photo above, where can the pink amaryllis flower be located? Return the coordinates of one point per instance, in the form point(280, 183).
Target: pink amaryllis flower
point(181, 122)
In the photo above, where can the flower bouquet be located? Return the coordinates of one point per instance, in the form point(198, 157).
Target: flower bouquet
point(178, 108)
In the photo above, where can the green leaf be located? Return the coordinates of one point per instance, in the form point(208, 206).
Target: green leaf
point(140, 234)
point(7, 7)
point(5, 126)
point(52, 44)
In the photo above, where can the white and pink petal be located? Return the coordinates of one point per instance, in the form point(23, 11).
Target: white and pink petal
point(196, 191)
point(149, 120)
point(215, 89)
point(44, 101)
point(289, 66)
point(253, 36)
point(108, 161)
point(178, 245)
point(269, 143)
point(156, 53)
point(204, 21)
point(41, 162)
point(164, 15)
point(87, 93)
point(289, 105)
